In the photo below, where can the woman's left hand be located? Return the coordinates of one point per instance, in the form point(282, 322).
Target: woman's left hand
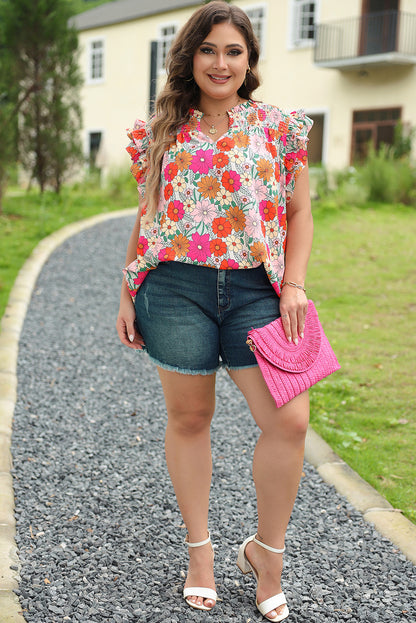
point(293, 308)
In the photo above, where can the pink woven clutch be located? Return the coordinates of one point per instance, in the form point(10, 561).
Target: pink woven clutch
point(287, 368)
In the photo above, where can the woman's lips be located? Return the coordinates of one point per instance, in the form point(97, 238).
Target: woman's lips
point(218, 79)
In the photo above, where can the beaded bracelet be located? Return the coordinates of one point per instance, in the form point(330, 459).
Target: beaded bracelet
point(293, 284)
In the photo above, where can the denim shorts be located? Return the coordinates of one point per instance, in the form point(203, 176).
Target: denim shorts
point(195, 319)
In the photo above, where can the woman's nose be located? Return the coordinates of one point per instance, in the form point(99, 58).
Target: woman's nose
point(220, 61)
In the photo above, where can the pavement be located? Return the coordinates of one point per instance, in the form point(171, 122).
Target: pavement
point(374, 508)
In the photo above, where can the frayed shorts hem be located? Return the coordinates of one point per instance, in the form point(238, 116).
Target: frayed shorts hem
point(222, 364)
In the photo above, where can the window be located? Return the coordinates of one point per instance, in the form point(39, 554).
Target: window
point(372, 127)
point(94, 142)
point(257, 17)
point(316, 138)
point(96, 61)
point(166, 36)
point(303, 16)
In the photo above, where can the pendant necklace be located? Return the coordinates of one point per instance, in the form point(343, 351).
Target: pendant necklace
point(212, 129)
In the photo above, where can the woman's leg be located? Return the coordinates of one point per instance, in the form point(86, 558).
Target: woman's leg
point(277, 469)
point(190, 403)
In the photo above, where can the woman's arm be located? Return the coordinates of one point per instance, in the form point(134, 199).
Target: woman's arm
point(125, 326)
point(293, 301)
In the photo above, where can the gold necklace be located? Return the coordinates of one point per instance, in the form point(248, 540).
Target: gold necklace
point(212, 129)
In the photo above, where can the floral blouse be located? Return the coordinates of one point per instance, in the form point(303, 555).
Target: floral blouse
point(223, 200)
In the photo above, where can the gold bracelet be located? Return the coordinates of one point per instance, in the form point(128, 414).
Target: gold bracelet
point(293, 284)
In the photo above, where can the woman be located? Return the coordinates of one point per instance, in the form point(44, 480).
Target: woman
point(220, 244)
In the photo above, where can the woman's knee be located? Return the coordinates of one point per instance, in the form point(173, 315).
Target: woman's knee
point(295, 418)
point(190, 421)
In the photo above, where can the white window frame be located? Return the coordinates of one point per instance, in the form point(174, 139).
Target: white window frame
point(162, 39)
point(262, 21)
point(295, 39)
point(90, 62)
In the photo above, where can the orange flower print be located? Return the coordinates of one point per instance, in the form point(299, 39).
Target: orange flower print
point(261, 114)
point(208, 186)
point(236, 218)
point(290, 160)
point(252, 118)
point(231, 181)
point(277, 171)
point(138, 172)
point(264, 169)
point(183, 159)
point(221, 227)
point(228, 264)
point(271, 148)
point(175, 211)
point(167, 254)
point(139, 134)
point(258, 252)
point(180, 245)
point(241, 139)
point(220, 160)
point(217, 247)
point(168, 191)
point(283, 127)
point(225, 143)
point(267, 210)
point(170, 171)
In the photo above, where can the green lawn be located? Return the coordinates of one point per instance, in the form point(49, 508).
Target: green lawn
point(362, 277)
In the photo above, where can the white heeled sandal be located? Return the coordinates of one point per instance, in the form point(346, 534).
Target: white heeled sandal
point(199, 591)
point(273, 602)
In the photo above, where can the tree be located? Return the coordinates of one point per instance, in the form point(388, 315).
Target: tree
point(42, 58)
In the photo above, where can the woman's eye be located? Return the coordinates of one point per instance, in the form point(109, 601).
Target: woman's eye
point(234, 52)
point(206, 50)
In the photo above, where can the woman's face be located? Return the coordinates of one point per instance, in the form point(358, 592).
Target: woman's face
point(220, 64)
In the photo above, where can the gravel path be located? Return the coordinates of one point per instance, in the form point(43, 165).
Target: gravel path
point(98, 531)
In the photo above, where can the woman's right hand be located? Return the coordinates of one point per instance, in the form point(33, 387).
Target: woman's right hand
point(126, 327)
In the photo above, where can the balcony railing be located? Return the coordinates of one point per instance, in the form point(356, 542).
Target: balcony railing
point(385, 37)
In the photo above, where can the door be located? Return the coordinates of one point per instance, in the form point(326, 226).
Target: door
point(379, 26)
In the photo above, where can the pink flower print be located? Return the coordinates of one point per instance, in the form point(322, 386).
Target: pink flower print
point(199, 247)
point(229, 264)
point(202, 161)
point(259, 190)
point(258, 145)
point(142, 245)
point(253, 224)
point(204, 211)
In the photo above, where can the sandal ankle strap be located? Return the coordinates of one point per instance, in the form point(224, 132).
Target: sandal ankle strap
point(200, 544)
point(270, 549)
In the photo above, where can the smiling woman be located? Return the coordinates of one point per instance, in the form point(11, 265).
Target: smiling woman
point(223, 233)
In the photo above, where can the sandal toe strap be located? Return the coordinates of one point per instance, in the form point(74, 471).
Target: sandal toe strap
point(270, 604)
point(200, 591)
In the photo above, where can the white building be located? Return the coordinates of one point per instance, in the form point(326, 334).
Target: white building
point(350, 65)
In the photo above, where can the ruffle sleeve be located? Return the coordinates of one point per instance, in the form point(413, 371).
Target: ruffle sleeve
point(139, 137)
point(296, 144)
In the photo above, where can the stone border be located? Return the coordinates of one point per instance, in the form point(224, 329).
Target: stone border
point(374, 507)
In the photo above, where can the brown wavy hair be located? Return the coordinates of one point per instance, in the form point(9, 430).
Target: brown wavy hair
point(181, 91)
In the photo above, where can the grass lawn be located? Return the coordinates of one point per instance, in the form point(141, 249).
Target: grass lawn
point(362, 277)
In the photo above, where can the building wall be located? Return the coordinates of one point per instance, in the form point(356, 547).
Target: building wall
point(289, 79)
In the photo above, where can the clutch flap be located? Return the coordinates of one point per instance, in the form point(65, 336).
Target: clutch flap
point(272, 343)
